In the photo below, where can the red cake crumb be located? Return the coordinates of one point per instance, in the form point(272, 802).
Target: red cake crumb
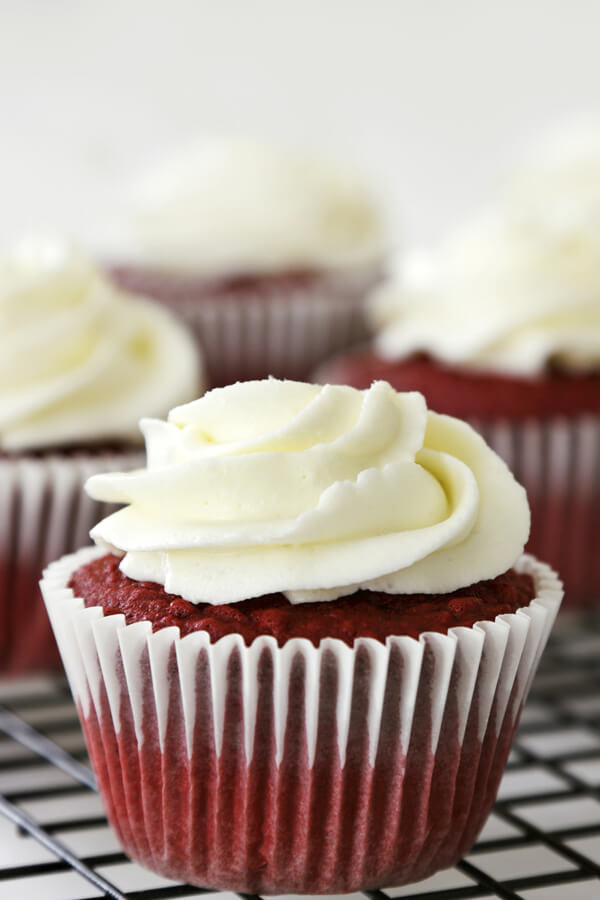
point(462, 393)
point(362, 614)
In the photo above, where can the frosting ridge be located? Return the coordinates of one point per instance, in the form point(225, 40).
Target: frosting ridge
point(313, 491)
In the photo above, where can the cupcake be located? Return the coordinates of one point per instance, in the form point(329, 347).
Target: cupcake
point(300, 650)
point(79, 361)
point(266, 253)
point(502, 327)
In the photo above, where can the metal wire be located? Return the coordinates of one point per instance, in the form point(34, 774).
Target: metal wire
point(544, 837)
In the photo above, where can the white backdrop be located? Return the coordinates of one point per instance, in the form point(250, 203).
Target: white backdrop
point(429, 97)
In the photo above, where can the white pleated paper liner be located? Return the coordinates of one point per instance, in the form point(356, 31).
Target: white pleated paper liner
point(284, 332)
point(557, 460)
point(297, 769)
point(44, 514)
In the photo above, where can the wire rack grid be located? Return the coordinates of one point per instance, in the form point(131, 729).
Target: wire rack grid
point(542, 841)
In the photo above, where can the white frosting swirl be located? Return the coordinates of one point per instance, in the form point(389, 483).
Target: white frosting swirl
point(79, 359)
point(507, 293)
point(228, 205)
point(314, 491)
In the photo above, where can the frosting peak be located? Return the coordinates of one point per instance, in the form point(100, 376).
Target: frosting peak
point(79, 359)
point(313, 491)
point(241, 205)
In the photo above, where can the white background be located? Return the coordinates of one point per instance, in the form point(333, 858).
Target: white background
point(430, 97)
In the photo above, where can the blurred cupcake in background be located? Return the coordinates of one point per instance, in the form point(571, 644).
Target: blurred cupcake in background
point(502, 326)
point(266, 253)
point(80, 362)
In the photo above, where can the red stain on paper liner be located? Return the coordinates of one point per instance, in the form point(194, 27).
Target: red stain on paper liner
point(258, 827)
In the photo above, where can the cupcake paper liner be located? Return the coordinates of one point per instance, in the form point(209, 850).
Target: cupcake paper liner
point(557, 460)
point(267, 769)
point(45, 513)
point(277, 332)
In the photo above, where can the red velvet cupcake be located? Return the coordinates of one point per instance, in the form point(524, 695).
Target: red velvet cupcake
point(267, 254)
point(80, 361)
point(309, 689)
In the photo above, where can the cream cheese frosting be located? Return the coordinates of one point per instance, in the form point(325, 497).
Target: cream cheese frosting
point(80, 360)
point(314, 491)
point(511, 292)
point(242, 205)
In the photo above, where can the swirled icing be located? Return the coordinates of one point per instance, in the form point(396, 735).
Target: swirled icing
point(314, 491)
point(80, 360)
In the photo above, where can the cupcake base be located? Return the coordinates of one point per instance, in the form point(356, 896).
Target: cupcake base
point(267, 769)
point(254, 827)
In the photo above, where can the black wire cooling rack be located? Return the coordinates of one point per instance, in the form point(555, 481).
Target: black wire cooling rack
point(542, 842)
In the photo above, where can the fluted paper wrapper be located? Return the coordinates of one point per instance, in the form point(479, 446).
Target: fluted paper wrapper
point(557, 460)
point(45, 513)
point(269, 769)
point(269, 331)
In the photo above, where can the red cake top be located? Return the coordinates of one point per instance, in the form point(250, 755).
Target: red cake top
point(460, 392)
point(362, 614)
